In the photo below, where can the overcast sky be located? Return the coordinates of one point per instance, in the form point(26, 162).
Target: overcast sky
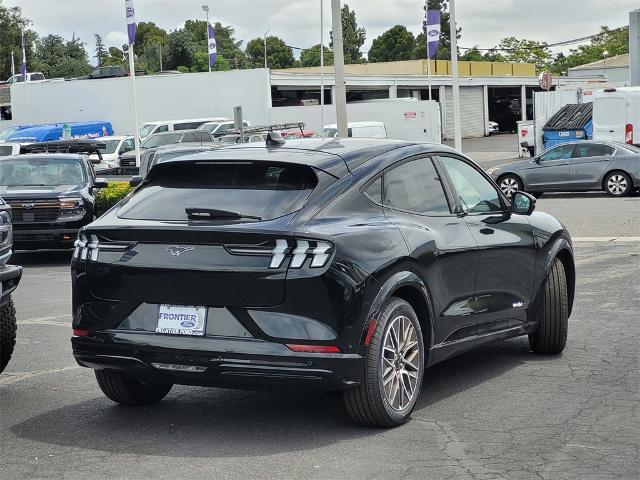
point(483, 22)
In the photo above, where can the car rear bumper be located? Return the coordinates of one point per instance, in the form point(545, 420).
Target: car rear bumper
point(221, 361)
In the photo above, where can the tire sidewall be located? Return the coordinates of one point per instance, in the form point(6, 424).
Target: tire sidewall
point(384, 324)
point(519, 184)
point(623, 194)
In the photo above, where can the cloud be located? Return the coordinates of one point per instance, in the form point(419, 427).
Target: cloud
point(115, 39)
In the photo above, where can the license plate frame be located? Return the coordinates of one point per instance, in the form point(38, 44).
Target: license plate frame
point(183, 320)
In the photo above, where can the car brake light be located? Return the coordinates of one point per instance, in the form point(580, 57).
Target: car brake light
point(79, 332)
point(628, 133)
point(318, 251)
point(313, 348)
point(89, 246)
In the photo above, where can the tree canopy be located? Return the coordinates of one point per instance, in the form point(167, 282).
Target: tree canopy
point(353, 37)
point(279, 55)
point(397, 43)
point(311, 56)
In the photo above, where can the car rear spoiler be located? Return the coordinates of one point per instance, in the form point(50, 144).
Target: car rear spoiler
point(86, 147)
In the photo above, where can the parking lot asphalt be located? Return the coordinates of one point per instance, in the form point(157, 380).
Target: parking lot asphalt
point(499, 412)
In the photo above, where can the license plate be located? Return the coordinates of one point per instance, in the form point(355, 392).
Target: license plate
point(181, 320)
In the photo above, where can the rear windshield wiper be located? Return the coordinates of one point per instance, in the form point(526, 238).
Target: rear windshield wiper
point(196, 213)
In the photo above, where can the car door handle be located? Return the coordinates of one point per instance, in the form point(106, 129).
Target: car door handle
point(487, 231)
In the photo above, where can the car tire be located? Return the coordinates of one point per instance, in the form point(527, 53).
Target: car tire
point(552, 313)
point(618, 184)
point(8, 327)
point(126, 390)
point(391, 383)
point(509, 184)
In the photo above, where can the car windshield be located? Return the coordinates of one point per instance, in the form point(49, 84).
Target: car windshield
point(209, 127)
point(145, 130)
point(7, 132)
point(111, 145)
point(159, 140)
point(260, 190)
point(50, 172)
point(328, 133)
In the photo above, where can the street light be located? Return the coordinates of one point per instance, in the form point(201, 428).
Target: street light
point(604, 64)
point(205, 8)
point(265, 47)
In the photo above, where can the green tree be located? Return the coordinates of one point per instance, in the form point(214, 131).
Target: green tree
point(397, 43)
point(278, 54)
point(615, 42)
point(529, 51)
point(181, 48)
point(148, 33)
point(11, 25)
point(311, 57)
point(353, 37)
point(101, 52)
point(228, 46)
point(473, 55)
point(56, 57)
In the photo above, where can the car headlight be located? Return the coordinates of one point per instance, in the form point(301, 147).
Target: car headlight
point(71, 207)
point(6, 230)
point(492, 170)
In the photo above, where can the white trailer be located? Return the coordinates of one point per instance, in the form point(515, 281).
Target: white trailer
point(403, 119)
point(616, 115)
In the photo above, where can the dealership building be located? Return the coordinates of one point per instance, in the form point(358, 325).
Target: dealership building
point(500, 92)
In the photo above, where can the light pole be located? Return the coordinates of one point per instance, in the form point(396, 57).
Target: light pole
point(604, 64)
point(264, 41)
point(205, 8)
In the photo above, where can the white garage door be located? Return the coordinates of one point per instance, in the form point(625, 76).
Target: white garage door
point(471, 112)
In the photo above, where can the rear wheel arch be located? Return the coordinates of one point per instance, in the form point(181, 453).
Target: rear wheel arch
point(418, 301)
point(603, 184)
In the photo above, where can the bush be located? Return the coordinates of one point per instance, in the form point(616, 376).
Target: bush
point(108, 197)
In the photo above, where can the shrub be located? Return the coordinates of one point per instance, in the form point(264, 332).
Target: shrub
point(108, 197)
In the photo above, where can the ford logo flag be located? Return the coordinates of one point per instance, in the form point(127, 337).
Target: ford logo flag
point(213, 48)
point(432, 29)
point(131, 21)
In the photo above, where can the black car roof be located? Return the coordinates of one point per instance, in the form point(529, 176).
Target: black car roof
point(336, 156)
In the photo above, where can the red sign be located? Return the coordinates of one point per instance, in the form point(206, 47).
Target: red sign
point(410, 115)
point(545, 80)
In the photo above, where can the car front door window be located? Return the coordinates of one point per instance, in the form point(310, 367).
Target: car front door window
point(473, 191)
point(562, 152)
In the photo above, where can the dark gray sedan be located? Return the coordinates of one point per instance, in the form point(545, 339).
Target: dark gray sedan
point(574, 166)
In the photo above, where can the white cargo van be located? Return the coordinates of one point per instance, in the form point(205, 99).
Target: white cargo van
point(149, 128)
point(616, 115)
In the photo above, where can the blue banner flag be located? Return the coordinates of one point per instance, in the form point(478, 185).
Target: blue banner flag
point(432, 22)
point(213, 48)
point(23, 65)
point(131, 21)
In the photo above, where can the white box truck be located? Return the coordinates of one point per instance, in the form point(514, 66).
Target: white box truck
point(616, 115)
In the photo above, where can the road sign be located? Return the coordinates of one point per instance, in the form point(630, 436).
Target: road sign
point(545, 80)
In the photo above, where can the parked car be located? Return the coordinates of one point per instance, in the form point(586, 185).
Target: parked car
point(168, 152)
point(105, 72)
point(9, 278)
point(574, 167)
point(128, 160)
point(53, 132)
point(494, 127)
point(218, 129)
point(51, 194)
point(290, 264)
point(356, 130)
point(616, 115)
point(150, 128)
point(109, 159)
point(30, 77)
point(10, 148)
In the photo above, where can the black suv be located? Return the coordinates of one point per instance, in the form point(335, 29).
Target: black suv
point(51, 192)
point(149, 145)
point(350, 264)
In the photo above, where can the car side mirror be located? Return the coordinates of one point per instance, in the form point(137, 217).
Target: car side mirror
point(135, 181)
point(100, 183)
point(522, 203)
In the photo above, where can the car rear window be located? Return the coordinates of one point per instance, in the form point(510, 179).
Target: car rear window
point(263, 190)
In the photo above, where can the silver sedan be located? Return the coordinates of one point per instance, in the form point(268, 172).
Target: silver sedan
point(574, 167)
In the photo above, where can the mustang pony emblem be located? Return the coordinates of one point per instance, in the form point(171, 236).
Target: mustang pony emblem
point(177, 250)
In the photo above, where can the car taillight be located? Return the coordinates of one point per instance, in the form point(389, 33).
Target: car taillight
point(79, 332)
point(313, 348)
point(628, 133)
point(317, 250)
point(89, 246)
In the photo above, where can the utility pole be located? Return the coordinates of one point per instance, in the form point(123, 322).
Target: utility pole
point(338, 65)
point(206, 28)
point(264, 41)
point(634, 48)
point(457, 134)
point(160, 45)
point(322, 67)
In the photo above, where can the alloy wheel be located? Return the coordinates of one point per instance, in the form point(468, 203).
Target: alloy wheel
point(401, 363)
point(509, 186)
point(617, 184)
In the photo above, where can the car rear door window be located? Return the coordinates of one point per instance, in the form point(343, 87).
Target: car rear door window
point(475, 194)
point(187, 125)
point(202, 136)
point(188, 137)
point(374, 190)
point(415, 187)
point(259, 189)
point(590, 150)
point(561, 152)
